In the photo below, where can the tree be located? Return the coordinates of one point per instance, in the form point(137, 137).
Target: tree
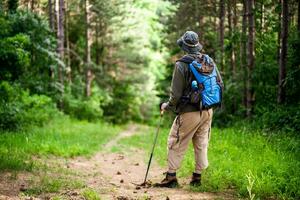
point(298, 24)
point(279, 32)
point(60, 11)
point(88, 73)
point(243, 52)
point(232, 23)
point(251, 57)
point(50, 10)
point(68, 57)
point(221, 32)
point(283, 52)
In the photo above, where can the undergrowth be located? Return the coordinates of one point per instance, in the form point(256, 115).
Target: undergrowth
point(249, 162)
point(61, 137)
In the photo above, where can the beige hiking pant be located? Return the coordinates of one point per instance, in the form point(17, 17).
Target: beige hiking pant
point(189, 126)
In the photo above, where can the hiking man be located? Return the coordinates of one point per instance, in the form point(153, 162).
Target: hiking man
point(193, 122)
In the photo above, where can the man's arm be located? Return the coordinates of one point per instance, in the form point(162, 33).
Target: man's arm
point(177, 88)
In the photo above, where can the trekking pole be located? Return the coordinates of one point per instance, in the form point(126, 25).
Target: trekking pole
point(150, 159)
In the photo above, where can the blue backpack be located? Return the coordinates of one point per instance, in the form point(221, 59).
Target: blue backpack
point(206, 89)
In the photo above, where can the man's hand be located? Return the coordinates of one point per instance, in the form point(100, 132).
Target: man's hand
point(163, 108)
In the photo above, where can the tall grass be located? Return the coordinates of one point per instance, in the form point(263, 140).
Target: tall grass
point(252, 164)
point(62, 137)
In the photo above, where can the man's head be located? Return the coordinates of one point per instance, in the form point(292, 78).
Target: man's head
point(189, 42)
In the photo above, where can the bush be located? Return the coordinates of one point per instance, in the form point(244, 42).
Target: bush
point(284, 118)
point(18, 109)
point(125, 104)
point(26, 55)
point(82, 109)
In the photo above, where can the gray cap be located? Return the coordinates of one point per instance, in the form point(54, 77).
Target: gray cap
point(189, 42)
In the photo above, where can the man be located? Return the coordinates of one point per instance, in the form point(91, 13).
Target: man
point(191, 123)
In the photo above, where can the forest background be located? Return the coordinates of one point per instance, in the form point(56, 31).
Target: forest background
point(112, 61)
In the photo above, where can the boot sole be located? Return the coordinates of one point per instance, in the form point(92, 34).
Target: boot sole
point(170, 185)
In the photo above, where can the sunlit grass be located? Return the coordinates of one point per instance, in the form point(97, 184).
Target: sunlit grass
point(235, 155)
point(90, 194)
point(62, 137)
point(49, 184)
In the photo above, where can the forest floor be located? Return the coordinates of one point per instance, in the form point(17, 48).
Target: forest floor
point(105, 175)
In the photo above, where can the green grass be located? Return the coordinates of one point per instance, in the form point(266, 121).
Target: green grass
point(90, 194)
point(63, 137)
point(237, 158)
point(50, 184)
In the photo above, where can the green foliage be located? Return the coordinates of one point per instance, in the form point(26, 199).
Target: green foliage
point(60, 137)
point(18, 109)
point(14, 56)
point(285, 118)
point(235, 154)
point(88, 109)
point(124, 105)
point(203, 18)
point(90, 194)
point(12, 5)
point(27, 51)
point(293, 73)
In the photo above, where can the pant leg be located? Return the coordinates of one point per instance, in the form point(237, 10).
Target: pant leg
point(182, 131)
point(201, 140)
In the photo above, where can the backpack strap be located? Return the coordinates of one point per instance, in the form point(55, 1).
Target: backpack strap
point(190, 60)
point(194, 70)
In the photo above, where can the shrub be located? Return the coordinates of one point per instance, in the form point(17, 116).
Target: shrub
point(125, 104)
point(18, 109)
point(82, 109)
point(285, 118)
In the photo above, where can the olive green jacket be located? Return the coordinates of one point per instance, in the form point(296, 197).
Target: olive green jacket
point(180, 87)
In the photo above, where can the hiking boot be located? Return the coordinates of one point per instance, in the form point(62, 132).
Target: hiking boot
point(170, 181)
point(196, 180)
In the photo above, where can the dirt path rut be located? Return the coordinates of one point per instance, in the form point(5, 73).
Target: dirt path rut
point(113, 175)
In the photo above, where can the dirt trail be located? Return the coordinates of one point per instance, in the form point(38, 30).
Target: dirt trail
point(112, 176)
point(115, 173)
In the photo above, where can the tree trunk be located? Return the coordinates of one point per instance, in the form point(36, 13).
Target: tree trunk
point(251, 55)
point(262, 30)
point(243, 52)
point(55, 17)
point(51, 20)
point(298, 25)
point(283, 52)
point(201, 33)
point(279, 34)
point(235, 16)
point(231, 23)
point(60, 43)
point(97, 42)
point(32, 5)
point(221, 32)
point(235, 19)
point(68, 57)
point(230, 30)
point(229, 17)
point(199, 17)
point(89, 75)
point(215, 18)
point(51, 24)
